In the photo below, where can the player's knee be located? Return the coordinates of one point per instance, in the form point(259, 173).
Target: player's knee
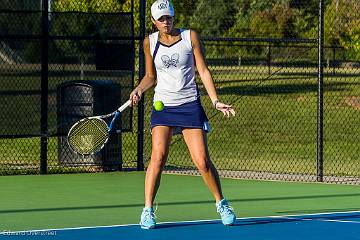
point(203, 165)
point(158, 160)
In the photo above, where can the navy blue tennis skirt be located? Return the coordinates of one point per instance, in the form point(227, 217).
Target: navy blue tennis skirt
point(187, 115)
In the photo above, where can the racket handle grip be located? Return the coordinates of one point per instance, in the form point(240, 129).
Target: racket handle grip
point(124, 106)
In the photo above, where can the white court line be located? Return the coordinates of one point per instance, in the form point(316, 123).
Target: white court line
point(340, 221)
point(324, 220)
point(292, 217)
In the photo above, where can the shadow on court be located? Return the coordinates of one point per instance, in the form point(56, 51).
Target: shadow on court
point(140, 205)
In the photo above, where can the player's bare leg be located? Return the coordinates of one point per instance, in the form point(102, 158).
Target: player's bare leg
point(161, 137)
point(196, 142)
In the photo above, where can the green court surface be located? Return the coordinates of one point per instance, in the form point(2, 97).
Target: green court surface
point(97, 199)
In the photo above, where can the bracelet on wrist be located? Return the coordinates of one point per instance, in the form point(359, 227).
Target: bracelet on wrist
point(215, 102)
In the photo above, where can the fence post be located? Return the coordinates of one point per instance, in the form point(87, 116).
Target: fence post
point(44, 87)
point(320, 117)
point(334, 59)
point(269, 59)
point(140, 140)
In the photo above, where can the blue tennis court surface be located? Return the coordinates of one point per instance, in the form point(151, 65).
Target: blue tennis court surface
point(344, 225)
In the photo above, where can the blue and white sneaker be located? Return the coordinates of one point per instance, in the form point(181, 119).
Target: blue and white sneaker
point(226, 212)
point(147, 220)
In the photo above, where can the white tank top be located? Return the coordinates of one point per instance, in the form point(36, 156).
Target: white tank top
point(175, 70)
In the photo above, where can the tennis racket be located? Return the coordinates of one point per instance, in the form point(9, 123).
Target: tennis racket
point(89, 135)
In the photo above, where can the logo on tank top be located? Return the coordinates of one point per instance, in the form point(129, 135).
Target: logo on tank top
point(170, 61)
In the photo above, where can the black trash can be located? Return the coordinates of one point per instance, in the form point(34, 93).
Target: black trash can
point(80, 99)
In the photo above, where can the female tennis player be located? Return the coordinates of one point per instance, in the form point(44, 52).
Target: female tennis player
point(170, 57)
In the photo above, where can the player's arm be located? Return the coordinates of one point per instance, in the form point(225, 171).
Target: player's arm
point(203, 70)
point(150, 75)
point(206, 77)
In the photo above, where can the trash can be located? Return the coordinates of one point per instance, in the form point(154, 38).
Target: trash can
point(80, 99)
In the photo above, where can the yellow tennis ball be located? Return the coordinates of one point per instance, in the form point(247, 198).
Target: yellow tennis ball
point(158, 105)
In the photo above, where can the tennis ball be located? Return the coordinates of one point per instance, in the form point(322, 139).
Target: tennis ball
point(158, 105)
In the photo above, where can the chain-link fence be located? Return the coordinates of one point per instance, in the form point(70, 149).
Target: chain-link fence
point(60, 62)
point(264, 58)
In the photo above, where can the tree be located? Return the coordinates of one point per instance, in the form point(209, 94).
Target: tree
point(242, 16)
point(126, 7)
point(19, 23)
point(183, 10)
point(342, 25)
point(263, 25)
point(73, 18)
point(351, 39)
point(97, 6)
point(284, 17)
point(212, 18)
point(254, 18)
point(20, 4)
point(272, 20)
point(305, 16)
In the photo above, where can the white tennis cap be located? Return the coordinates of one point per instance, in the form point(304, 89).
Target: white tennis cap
point(161, 8)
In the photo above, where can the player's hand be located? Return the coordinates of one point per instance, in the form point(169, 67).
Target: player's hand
point(227, 110)
point(135, 96)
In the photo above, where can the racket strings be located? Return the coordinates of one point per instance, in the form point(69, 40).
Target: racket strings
point(88, 136)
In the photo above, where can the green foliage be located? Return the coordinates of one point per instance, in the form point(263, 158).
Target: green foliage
point(126, 7)
point(20, 4)
point(212, 17)
point(258, 6)
point(70, 5)
point(351, 39)
point(342, 25)
point(79, 25)
point(262, 24)
point(304, 23)
point(99, 6)
point(276, 18)
point(183, 9)
point(283, 16)
point(242, 17)
point(273, 21)
point(20, 23)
